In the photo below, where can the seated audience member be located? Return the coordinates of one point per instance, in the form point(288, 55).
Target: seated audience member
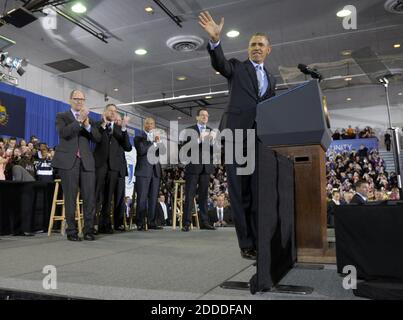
point(12, 143)
point(44, 170)
point(395, 194)
point(362, 152)
point(380, 195)
point(361, 194)
point(350, 132)
point(162, 212)
point(336, 135)
point(220, 216)
point(3, 162)
point(348, 196)
point(336, 201)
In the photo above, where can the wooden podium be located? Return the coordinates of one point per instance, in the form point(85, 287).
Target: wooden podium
point(296, 124)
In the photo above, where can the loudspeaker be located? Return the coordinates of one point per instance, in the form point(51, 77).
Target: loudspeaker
point(19, 17)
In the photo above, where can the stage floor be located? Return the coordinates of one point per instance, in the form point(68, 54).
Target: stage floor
point(151, 265)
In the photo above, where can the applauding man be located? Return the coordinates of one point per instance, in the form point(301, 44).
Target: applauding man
point(109, 165)
point(75, 162)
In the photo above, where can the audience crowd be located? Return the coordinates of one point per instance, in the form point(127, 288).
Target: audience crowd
point(25, 161)
point(353, 133)
point(345, 169)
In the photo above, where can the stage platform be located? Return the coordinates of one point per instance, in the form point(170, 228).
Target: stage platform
point(152, 265)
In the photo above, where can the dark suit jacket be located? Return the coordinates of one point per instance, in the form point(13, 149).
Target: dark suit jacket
point(196, 169)
point(357, 200)
point(73, 137)
point(240, 112)
point(110, 149)
point(212, 215)
point(160, 214)
point(143, 167)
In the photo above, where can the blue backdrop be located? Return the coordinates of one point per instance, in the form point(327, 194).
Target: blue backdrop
point(340, 146)
point(40, 114)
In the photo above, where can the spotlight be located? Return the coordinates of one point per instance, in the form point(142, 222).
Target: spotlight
point(13, 63)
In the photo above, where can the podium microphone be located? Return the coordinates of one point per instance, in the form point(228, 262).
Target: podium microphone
point(312, 72)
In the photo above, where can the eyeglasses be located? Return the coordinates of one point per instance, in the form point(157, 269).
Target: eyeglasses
point(78, 99)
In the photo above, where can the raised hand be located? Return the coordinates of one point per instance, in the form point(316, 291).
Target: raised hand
point(210, 26)
point(125, 121)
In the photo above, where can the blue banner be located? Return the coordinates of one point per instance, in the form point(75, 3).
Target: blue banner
point(340, 146)
point(12, 115)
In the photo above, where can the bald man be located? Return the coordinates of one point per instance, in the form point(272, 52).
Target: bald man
point(148, 176)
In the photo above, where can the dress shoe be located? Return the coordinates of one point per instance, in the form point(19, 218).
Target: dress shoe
point(249, 253)
point(95, 232)
point(186, 228)
point(73, 237)
point(207, 227)
point(141, 228)
point(89, 237)
point(120, 229)
point(155, 227)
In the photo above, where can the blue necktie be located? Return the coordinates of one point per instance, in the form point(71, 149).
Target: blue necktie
point(260, 79)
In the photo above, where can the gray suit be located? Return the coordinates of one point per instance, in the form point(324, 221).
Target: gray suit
point(148, 178)
point(76, 171)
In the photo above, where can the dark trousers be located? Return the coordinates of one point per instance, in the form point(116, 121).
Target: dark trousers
point(242, 191)
point(71, 180)
point(119, 201)
point(106, 184)
point(196, 183)
point(147, 194)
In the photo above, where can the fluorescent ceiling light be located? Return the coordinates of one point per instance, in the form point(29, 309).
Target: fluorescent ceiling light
point(343, 13)
point(181, 78)
point(396, 45)
point(78, 7)
point(232, 34)
point(140, 52)
point(185, 96)
point(149, 9)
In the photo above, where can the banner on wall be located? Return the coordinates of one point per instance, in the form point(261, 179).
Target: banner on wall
point(12, 115)
point(340, 146)
point(131, 165)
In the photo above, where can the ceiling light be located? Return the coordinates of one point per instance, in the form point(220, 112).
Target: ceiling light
point(346, 53)
point(400, 94)
point(208, 97)
point(232, 34)
point(140, 52)
point(78, 7)
point(348, 99)
point(181, 78)
point(343, 13)
point(396, 45)
point(116, 89)
point(348, 79)
point(149, 9)
point(179, 118)
point(217, 72)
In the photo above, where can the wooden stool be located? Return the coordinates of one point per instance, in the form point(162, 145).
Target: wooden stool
point(56, 202)
point(178, 206)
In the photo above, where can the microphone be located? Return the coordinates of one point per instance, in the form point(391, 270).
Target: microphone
point(315, 74)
